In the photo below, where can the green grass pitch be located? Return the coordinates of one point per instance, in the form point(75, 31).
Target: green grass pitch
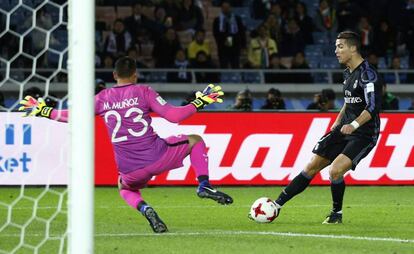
point(376, 220)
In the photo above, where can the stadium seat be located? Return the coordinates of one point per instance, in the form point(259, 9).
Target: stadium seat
point(230, 77)
point(314, 50)
point(313, 62)
point(382, 63)
point(251, 77)
point(320, 37)
point(329, 63)
point(404, 60)
point(157, 77)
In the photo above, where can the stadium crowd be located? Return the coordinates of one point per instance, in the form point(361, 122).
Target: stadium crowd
point(268, 35)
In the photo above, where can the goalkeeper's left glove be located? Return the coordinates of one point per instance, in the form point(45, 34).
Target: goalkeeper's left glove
point(211, 94)
point(33, 107)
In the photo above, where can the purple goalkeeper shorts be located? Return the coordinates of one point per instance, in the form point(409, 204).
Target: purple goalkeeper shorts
point(177, 150)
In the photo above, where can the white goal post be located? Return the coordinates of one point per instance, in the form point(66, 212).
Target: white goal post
point(81, 77)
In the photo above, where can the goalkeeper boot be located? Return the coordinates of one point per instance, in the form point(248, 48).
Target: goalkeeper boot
point(154, 220)
point(205, 190)
point(333, 218)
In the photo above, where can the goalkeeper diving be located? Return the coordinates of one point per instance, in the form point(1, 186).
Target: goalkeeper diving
point(140, 153)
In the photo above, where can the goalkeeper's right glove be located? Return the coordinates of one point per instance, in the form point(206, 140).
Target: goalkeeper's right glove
point(210, 94)
point(33, 107)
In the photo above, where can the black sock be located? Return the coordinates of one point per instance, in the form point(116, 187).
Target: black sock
point(202, 178)
point(338, 191)
point(142, 206)
point(298, 184)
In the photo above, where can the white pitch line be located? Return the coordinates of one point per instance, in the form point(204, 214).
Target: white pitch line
point(283, 234)
point(248, 233)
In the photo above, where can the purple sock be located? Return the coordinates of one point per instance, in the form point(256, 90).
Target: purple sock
point(199, 159)
point(131, 197)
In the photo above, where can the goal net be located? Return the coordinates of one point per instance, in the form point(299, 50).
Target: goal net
point(36, 162)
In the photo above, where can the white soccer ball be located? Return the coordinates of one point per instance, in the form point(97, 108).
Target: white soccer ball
point(263, 210)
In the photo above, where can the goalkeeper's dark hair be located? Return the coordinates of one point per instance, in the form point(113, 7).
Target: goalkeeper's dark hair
point(351, 38)
point(125, 67)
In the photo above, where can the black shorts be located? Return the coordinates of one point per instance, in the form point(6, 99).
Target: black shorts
point(334, 143)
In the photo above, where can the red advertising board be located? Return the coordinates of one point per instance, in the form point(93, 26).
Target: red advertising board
point(271, 148)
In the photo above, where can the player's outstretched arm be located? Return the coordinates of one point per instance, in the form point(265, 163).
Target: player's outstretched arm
point(32, 107)
point(175, 114)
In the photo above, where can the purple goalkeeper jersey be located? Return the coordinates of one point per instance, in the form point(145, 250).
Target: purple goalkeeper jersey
point(126, 110)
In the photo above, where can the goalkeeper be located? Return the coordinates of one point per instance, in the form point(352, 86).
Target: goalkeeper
point(140, 153)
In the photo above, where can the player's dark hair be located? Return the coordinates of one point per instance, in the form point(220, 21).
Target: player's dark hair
point(351, 38)
point(125, 67)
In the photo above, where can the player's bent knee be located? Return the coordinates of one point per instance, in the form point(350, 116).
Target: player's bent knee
point(316, 164)
point(335, 175)
point(194, 139)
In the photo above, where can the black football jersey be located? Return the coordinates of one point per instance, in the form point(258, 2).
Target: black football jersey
point(363, 91)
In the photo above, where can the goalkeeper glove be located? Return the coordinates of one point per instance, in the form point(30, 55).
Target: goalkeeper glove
point(210, 94)
point(33, 107)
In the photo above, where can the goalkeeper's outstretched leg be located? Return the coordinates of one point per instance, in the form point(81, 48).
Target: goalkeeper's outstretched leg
point(199, 161)
point(135, 200)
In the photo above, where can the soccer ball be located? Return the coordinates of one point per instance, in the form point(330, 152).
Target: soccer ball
point(263, 210)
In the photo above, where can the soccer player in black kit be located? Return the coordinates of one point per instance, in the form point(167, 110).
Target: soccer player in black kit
point(354, 132)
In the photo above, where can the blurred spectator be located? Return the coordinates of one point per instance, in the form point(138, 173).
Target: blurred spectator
point(389, 101)
point(384, 38)
point(230, 35)
point(171, 10)
point(181, 63)
point(244, 101)
point(391, 78)
point(276, 10)
point(137, 22)
point(412, 105)
point(261, 8)
point(118, 41)
point(198, 44)
point(293, 41)
point(319, 103)
point(367, 35)
point(99, 85)
point(274, 100)
point(325, 19)
point(161, 22)
point(202, 61)
point(44, 19)
point(260, 49)
point(373, 60)
point(305, 22)
point(330, 96)
point(407, 26)
point(275, 64)
point(133, 53)
point(165, 49)
point(237, 3)
point(348, 14)
point(190, 16)
point(108, 64)
point(299, 62)
point(273, 27)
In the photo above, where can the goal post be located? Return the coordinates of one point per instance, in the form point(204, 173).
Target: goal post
point(81, 31)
